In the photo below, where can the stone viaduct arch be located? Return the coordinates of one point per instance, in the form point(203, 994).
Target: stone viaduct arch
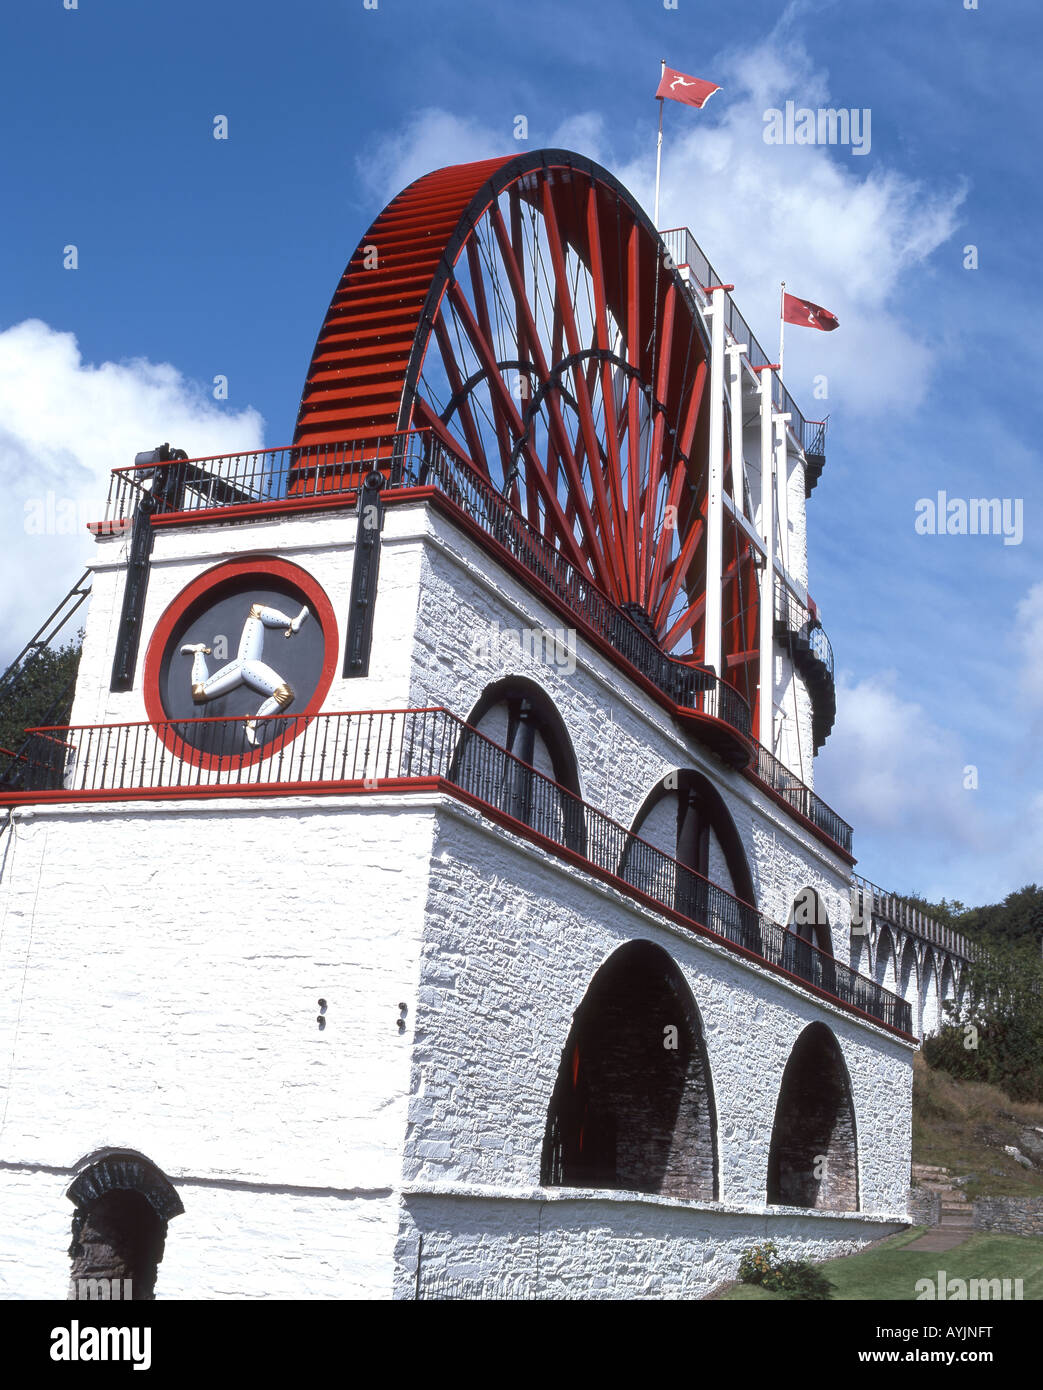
point(908, 953)
point(633, 1105)
point(813, 1160)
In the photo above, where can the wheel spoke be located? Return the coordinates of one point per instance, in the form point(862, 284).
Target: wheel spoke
point(523, 314)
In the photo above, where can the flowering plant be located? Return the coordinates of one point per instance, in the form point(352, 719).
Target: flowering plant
point(794, 1278)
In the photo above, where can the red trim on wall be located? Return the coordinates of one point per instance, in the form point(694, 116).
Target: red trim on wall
point(715, 732)
point(312, 502)
point(262, 566)
point(493, 813)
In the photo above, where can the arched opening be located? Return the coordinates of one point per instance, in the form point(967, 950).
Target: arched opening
point(909, 983)
point(519, 717)
point(948, 989)
point(123, 1204)
point(808, 945)
point(813, 1161)
point(685, 818)
point(885, 961)
point(930, 1000)
point(861, 952)
point(633, 1107)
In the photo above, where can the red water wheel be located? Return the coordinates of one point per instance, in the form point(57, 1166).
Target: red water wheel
point(524, 310)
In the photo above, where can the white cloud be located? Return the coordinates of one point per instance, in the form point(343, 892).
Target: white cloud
point(64, 424)
point(809, 215)
point(891, 768)
point(850, 239)
point(430, 140)
point(1029, 636)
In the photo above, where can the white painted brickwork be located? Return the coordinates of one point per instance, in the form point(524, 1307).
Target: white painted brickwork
point(160, 975)
point(610, 1246)
point(511, 943)
point(161, 966)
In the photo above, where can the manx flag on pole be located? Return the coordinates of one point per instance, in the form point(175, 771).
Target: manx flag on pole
point(678, 86)
point(808, 315)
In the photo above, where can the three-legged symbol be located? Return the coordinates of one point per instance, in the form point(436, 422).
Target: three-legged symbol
point(247, 668)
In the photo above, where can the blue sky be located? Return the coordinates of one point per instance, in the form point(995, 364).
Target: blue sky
point(200, 257)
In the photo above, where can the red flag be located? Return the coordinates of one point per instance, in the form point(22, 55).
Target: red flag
point(808, 315)
point(678, 86)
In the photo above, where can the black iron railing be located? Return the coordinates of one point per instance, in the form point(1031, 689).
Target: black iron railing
point(810, 648)
point(792, 614)
point(259, 476)
point(389, 747)
point(415, 458)
point(803, 800)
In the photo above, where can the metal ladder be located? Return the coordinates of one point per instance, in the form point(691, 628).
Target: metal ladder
point(50, 628)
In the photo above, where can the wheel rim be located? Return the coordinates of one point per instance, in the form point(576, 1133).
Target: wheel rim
point(525, 311)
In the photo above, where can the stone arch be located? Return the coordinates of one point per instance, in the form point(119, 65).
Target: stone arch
point(809, 920)
point(909, 982)
point(813, 1160)
point(910, 975)
point(930, 994)
point(683, 849)
point(633, 1105)
point(947, 988)
point(518, 715)
point(685, 816)
point(807, 949)
point(860, 948)
point(123, 1203)
point(886, 971)
point(960, 982)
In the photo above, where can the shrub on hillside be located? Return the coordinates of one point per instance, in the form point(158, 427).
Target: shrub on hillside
point(995, 1034)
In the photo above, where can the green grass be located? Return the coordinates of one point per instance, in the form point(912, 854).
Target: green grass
point(889, 1272)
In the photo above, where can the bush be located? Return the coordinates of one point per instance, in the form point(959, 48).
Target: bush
point(995, 1035)
point(794, 1278)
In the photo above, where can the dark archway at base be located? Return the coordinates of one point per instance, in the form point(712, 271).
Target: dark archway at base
point(813, 1160)
point(123, 1203)
point(633, 1106)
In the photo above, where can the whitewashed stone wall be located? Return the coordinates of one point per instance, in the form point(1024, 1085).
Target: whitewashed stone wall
point(508, 956)
point(232, 1241)
point(561, 1245)
point(513, 940)
point(160, 977)
point(624, 741)
point(177, 1017)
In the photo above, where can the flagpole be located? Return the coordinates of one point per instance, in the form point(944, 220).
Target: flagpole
point(782, 323)
point(659, 146)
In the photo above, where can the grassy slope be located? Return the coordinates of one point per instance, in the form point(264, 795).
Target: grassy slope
point(889, 1272)
point(963, 1126)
